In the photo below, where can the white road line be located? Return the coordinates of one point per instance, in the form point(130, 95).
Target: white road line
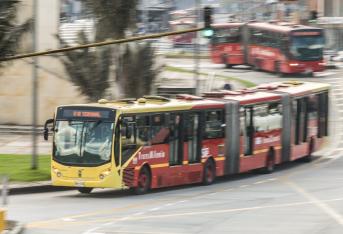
point(244, 186)
point(230, 189)
point(155, 209)
point(139, 213)
point(68, 220)
point(272, 179)
point(169, 204)
point(212, 194)
point(320, 204)
point(221, 211)
point(261, 182)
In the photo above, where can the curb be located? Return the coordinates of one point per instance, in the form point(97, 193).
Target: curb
point(35, 188)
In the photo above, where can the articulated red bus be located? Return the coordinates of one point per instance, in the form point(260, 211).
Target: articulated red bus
point(277, 47)
point(156, 142)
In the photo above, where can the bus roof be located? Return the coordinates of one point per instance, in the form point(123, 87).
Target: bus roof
point(284, 27)
point(227, 25)
point(260, 94)
point(296, 88)
point(154, 104)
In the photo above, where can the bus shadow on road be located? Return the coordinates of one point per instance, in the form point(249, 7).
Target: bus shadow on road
point(281, 170)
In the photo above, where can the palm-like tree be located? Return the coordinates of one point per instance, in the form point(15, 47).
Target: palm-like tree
point(89, 69)
point(10, 30)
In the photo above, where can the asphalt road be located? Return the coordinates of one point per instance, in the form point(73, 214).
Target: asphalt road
point(296, 198)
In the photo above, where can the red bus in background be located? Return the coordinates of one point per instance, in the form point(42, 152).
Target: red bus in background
point(278, 47)
point(226, 44)
point(285, 48)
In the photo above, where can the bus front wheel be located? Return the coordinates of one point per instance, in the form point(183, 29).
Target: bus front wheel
point(144, 180)
point(209, 172)
point(85, 190)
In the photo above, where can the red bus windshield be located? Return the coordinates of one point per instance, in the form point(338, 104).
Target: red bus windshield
point(307, 47)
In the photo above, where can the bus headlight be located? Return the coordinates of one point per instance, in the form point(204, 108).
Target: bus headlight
point(104, 174)
point(294, 64)
point(59, 174)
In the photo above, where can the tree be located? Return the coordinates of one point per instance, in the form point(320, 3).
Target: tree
point(133, 66)
point(10, 30)
point(88, 69)
point(138, 71)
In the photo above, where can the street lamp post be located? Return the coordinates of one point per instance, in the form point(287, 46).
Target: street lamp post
point(34, 162)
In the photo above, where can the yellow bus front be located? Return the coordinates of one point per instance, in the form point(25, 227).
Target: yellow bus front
point(83, 148)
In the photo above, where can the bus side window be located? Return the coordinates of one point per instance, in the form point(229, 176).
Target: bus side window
point(143, 130)
point(159, 129)
point(213, 126)
point(128, 137)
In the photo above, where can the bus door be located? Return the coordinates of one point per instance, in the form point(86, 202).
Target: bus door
point(193, 137)
point(248, 131)
point(192, 143)
point(300, 117)
point(300, 130)
point(175, 149)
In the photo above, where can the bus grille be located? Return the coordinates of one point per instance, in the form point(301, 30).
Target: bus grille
point(128, 176)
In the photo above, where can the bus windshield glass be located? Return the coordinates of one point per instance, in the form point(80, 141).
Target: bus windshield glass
point(307, 48)
point(226, 35)
point(83, 142)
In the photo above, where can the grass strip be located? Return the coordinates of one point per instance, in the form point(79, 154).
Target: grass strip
point(245, 83)
point(18, 168)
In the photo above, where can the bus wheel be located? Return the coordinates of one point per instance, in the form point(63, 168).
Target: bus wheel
point(270, 163)
point(209, 172)
point(308, 158)
point(85, 190)
point(277, 68)
point(256, 65)
point(225, 61)
point(144, 180)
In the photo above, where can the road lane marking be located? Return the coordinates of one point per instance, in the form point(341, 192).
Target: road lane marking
point(220, 211)
point(320, 204)
point(244, 186)
point(155, 209)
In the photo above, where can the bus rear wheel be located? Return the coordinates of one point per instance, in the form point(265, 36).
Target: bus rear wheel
point(308, 157)
point(277, 69)
point(270, 163)
point(144, 181)
point(85, 190)
point(209, 172)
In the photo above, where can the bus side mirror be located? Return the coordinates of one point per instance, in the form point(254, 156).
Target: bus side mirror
point(46, 129)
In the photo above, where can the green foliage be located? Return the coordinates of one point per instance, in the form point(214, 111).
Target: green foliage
point(88, 69)
point(10, 30)
point(113, 17)
point(137, 72)
point(18, 168)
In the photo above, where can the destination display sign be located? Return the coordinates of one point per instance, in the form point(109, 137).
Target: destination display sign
point(306, 33)
point(81, 113)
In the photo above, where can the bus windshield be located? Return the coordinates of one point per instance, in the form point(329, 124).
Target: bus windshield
point(307, 48)
point(83, 143)
point(226, 35)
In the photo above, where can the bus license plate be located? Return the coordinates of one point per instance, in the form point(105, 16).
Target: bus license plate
point(79, 183)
